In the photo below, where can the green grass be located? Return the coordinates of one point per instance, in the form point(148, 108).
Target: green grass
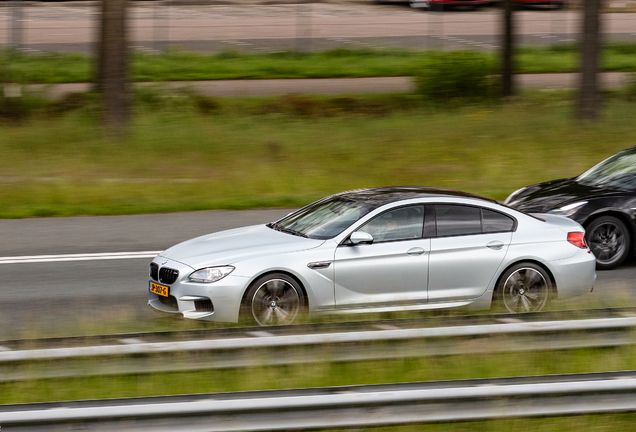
point(185, 66)
point(601, 423)
point(286, 152)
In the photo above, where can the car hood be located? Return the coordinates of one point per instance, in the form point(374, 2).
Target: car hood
point(231, 246)
point(543, 197)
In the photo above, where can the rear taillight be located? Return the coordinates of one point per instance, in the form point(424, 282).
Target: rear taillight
point(577, 239)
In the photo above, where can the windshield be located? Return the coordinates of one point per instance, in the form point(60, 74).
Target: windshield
point(324, 219)
point(618, 171)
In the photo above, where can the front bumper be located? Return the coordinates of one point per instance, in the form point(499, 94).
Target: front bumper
point(218, 301)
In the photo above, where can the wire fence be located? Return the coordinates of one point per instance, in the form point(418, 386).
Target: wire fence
point(159, 25)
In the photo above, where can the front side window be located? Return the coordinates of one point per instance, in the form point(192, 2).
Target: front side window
point(404, 223)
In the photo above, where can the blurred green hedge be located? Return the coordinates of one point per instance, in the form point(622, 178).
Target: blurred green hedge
point(456, 75)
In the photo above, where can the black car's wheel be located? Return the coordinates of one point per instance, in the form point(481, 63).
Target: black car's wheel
point(524, 287)
point(274, 299)
point(609, 240)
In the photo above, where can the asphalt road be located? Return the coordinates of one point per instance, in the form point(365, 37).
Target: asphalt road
point(71, 26)
point(37, 294)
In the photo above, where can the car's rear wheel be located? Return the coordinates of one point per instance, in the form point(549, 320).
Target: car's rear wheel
point(608, 238)
point(524, 287)
point(273, 299)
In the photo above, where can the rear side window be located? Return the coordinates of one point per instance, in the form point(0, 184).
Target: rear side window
point(457, 220)
point(454, 220)
point(496, 222)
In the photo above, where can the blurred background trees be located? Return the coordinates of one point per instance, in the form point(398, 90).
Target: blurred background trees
point(112, 74)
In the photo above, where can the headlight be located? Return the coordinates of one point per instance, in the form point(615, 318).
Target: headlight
point(210, 274)
point(512, 195)
point(568, 210)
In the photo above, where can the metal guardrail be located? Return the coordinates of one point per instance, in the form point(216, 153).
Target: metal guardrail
point(318, 339)
point(260, 347)
point(339, 407)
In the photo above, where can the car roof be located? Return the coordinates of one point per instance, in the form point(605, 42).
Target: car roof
point(386, 195)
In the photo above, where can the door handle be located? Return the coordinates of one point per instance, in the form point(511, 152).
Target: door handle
point(496, 245)
point(416, 251)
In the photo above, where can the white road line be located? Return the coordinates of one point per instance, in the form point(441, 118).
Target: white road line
point(78, 257)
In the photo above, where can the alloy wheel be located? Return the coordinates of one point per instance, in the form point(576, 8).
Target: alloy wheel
point(525, 290)
point(275, 302)
point(608, 242)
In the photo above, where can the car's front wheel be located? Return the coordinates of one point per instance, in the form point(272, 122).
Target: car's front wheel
point(273, 299)
point(524, 287)
point(608, 238)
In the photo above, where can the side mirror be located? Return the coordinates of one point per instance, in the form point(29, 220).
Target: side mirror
point(360, 237)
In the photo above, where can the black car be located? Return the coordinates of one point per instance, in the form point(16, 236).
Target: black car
point(602, 199)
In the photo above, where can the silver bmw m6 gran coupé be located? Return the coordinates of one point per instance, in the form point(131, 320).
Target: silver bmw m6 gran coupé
point(376, 250)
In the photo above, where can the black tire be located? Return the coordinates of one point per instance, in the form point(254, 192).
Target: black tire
point(524, 287)
point(273, 299)
point(609, 240)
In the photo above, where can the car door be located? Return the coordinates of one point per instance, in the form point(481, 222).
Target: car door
point(470, 245)
point(391, 270)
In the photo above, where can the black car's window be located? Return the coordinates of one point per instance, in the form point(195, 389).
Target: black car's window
point(618, 171)
point(493, 221)
point(404, 223)
point(457, 220)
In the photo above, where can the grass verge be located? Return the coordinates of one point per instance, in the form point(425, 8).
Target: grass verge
point(288, 151)
point(179, 65)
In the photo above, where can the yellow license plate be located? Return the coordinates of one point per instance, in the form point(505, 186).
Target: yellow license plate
point(159, 289)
